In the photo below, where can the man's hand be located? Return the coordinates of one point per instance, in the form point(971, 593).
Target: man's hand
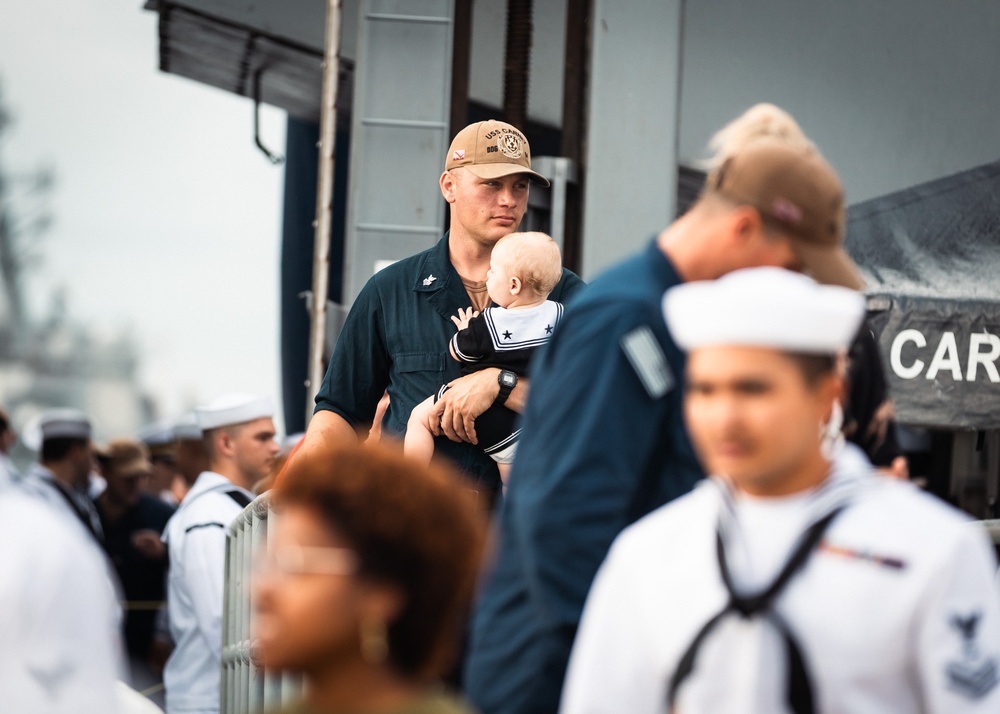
point(375, 433)
point(159, 652)
point(462, 319)
point(149, 544)
point(898, 469)
point(467, 397)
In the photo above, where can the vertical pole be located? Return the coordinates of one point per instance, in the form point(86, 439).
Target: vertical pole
point(324, 200)
point(225, 685)
point(246, 666)
point(574, 123)
point(461, 40)
point(237, 619)
point(272, 680)
point(681, 34)
point(517, 62)
point(258, 543)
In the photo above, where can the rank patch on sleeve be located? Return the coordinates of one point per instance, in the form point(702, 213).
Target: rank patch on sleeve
point(972, 674)
point(647, 359)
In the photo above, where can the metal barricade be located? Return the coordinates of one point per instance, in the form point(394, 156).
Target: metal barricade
point(993, 528)
point(246, 688)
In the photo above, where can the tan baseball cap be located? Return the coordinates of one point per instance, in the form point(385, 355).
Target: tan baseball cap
point(797, 189)
point(128, 456)
point(491, 149)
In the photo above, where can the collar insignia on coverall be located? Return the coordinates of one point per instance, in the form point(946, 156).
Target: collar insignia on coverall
point(429, 279)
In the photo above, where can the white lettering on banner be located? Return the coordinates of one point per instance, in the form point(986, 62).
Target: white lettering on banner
point(984, 350)
point(946, 357)
point(986, 359)
point(895, 354)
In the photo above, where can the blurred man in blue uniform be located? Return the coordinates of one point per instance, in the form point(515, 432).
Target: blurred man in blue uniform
point(603, 436)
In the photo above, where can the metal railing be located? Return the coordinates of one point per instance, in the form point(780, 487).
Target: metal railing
point(245, 687)
point(993, 528)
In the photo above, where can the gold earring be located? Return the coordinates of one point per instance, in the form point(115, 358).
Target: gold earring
point(374, 641)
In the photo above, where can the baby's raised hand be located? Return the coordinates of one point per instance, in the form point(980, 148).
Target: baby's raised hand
point(462, 319)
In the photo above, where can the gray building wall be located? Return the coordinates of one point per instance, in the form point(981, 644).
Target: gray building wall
point(630, 164)
point(895, 93)
point(631, 110)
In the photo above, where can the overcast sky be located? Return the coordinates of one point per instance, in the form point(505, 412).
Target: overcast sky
point(167, 217)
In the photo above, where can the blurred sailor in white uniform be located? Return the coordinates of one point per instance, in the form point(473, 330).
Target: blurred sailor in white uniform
point(62, 474)
point(59, 646)
point(8, 437)
point(191, 458)
point(792, 580)
point(239, 438)
point(165, 483)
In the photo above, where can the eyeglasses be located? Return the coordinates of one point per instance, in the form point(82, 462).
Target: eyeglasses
point(290, 560)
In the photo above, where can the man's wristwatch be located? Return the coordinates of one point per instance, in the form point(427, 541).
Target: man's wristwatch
point(507, 380)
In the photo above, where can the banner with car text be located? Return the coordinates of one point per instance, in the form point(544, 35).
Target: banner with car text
point(942, 360)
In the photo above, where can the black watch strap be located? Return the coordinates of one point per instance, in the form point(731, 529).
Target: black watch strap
point(507, 380)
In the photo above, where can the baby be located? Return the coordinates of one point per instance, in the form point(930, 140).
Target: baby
point(524, 268)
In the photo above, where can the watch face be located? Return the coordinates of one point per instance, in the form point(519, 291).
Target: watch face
point(509, 379)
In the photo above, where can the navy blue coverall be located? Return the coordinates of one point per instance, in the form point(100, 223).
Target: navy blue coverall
point(396, 337)
point(602, 444)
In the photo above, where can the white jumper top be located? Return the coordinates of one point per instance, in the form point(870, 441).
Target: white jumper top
point(895, 611)
point(196, 539)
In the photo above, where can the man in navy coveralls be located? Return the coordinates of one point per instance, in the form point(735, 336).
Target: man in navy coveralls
point(396, 335)
point(603, 442)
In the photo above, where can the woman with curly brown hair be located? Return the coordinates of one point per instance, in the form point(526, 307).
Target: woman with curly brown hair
point(371, 566)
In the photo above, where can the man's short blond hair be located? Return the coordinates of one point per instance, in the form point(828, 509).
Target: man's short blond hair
point(534, 258)
point(761, 121)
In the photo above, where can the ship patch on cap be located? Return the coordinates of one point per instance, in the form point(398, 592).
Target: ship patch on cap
point(492, 149)
point(511, 146)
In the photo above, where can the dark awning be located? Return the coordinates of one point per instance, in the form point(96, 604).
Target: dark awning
point(227, 54)
point(931, 255)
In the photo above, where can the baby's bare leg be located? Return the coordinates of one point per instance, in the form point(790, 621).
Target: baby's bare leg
point(418, 443)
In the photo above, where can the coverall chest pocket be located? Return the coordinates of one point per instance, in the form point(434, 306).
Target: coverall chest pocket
point(420, 374)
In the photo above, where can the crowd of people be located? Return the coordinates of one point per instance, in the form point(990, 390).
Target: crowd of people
point(692, 506)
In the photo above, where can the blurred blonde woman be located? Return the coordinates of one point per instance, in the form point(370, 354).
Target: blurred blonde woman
point(371, 568)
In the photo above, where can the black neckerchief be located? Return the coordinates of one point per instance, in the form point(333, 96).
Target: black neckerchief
point(833, 496)
point(83, 515)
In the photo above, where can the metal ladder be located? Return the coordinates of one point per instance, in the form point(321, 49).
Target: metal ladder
point(400, 130)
